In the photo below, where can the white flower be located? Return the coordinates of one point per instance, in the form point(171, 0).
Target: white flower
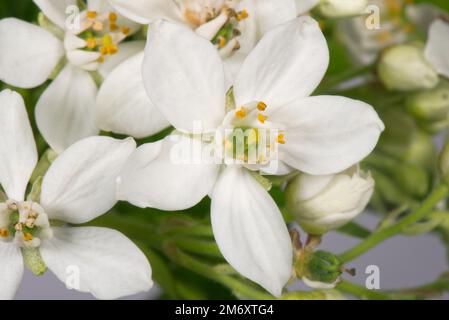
point(324, 203)
point(234, 26)
point(29, 54)
point(319, 135)
point(78, 187)
point(303, 6)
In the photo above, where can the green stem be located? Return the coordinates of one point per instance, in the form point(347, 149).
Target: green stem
point(362, 292)
point(236, 285)
point(355, 230)
point(439, 193)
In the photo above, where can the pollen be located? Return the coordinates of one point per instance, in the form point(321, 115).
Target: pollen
point(221, 42)
point(113, 26)
point(112, 17)
point(261, 106)
point(4, 233)
point(281, 138)
point(241, 113)
point(261, 118)
point(242, 15)
point(125, 30)
point(27, 236)
point(91, 43)
point(91, 14)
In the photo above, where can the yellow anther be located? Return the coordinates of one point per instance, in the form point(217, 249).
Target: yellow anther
point(4, 233)
point(91, 14)
point(221, 42)
point(91, 43)
point(113, 26)
point(281, 138)
point(101, 59)
point(125, 30)
point(27, 236)
point(98, 26)
point(261, 106)
point(242, 15)
point(104, 51)
point(112, 16)
point(241, 113)
point(261, 118)
point(112, 49)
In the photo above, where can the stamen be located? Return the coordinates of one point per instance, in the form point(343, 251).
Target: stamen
point(18, 227)
point(281, 138)
point(242, 15)
point(221, 42)
point(112, 17)
point(27, 236)
point(125, 30)
point(91, 14)
point(30, 223)
point(261, 106)
point(113, 26)
point(261, 118)
point(241, 113)
point(4, 233)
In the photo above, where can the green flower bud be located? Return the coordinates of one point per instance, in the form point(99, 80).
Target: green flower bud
point(323, 203)
point(431, 107)
point(342, 8)
point(322, 270)
point(33, 261)
point(405, 68)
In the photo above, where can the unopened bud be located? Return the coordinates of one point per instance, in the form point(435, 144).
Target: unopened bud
point(342, 8)
point(323, 203)
point(322, 270)
point(405, 68)
point(431, 107)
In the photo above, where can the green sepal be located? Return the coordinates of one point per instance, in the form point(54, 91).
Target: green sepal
point(35, 193)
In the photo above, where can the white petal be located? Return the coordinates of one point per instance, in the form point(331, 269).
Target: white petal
point(28, 53)
point(55, 10)
point(193, 89)
point(250, 230)
point(271, 13)
point(18, 154)
point(437, 47)
point(109, 265)
point(11, 270)
point(126, 50)
point(327, 134)
point(143, 11)
point(98, 5)
point(303, 6)
point(123, 105)
point(167, 175)
point(288, 63)
point(81, 183)
point(65, 111)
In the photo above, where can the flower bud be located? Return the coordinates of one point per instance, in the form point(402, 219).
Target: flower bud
point(322, 270)
point(342, 8)
point(431, 107)
point(405, 68)
point(323, 203)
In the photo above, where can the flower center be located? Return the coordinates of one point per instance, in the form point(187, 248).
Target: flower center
point(24, 222)
point(99, 34)
point(249, 136)
point(217, 20)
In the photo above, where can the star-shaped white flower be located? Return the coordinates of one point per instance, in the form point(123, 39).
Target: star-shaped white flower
point(78, 187)
point(234, 26)
point(318, 135)
point(29, 54)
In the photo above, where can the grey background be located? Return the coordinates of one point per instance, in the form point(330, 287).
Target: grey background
point(403, 262)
